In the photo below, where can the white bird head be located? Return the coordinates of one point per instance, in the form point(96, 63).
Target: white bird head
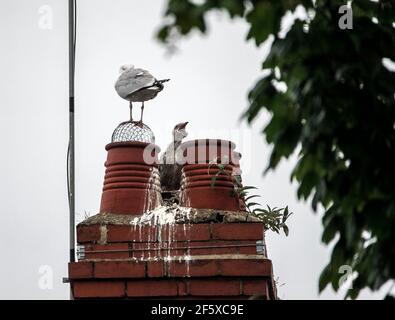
point(179, 131)
point(125, 67)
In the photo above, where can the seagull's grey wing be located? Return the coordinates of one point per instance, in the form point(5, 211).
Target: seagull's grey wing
point(133, 80)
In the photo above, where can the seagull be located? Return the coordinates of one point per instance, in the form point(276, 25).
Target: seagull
point(170, 169)
point(137, 85)
point(179, 133)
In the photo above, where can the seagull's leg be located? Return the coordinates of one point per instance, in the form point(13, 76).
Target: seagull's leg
point(131, 113)
point(142, 111)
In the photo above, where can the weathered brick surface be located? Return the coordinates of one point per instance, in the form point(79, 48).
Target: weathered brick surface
point(246, 267)
point(237, 231)
point(116, 251)
point(89, 233)
point(255, 287)
point(198, 287)
point(214, 287)
point(131, 233)
point(119, 269)
point(183, 287)
point(172, 233)
point(174, 268)
point(155, 269)
point(250, 249)
point(152, 288)
point(185, 232)
point(117, 273)
point(193, 268)
point(143, 250)
point(80, 270)
point(212, 247)
point(99, 289)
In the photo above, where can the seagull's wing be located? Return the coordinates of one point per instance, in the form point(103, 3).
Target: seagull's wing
point(133, 80)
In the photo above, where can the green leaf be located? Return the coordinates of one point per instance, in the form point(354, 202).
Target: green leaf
point(263, 22)
point(163, 34)
point(325, 278)
point(247, 188)
point(251, 204)
point(259, 210)
point(286, 230)
point(251, 197)
point(234, 7)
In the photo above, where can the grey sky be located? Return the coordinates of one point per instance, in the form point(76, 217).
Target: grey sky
point(210, 77)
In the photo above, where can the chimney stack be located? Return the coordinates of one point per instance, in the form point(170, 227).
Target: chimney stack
point(205, 246)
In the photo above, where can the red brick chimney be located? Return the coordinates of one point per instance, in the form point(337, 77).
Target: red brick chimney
point(204, 247)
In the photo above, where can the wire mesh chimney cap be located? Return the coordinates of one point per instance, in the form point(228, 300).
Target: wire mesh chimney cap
point(133, 131)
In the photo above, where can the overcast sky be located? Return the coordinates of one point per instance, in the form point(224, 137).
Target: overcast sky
point(210, 78)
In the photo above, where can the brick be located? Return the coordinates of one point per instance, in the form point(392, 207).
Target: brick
point(144, 250)
point(80, 270)
point(214, 287)
point(119, 269)
point(193, 268)
point(208, 298)
point(182, 287)
point(152, 288)
point(131, 233)
point(212, 247)
point(255, 287)
point(251, 249)
point(155, 269)
point(172, 249)
point(88, 233)
point(185, 232)
point(161, 249)
point(246, 267)
point(237, 231)
point(122, 247)
point(98, 289)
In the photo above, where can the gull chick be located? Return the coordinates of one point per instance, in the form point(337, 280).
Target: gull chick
point(170, 167)
point(137, 85)
point(178, 134)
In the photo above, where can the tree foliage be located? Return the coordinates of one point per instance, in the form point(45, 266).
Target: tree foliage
point(337, 112)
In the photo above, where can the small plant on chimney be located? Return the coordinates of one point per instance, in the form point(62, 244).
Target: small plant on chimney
point(273, 218)
point(221, 171)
